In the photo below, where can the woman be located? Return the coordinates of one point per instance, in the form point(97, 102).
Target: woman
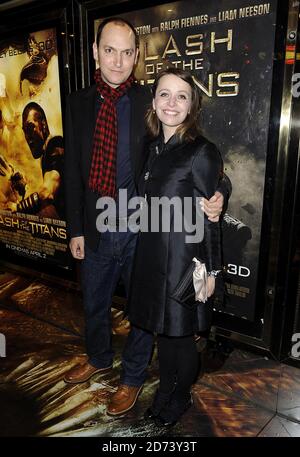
point(181, 163)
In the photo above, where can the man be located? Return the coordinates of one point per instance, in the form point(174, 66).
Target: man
point(105, 125)
point(48, 201)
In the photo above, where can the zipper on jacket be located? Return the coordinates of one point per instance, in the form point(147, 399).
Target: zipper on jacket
point(147, 176)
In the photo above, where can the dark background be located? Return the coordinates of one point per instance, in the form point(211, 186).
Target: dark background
point(276, 307)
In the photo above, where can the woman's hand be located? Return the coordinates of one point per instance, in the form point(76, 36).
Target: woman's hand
point(213, 207)
point(211, 282)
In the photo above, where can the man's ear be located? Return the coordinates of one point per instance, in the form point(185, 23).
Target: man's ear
point(96, 54)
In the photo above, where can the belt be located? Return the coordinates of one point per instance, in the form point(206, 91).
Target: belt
point(121, 223)
point(115, 221)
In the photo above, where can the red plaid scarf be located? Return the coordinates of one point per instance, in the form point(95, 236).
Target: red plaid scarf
point(103, 167)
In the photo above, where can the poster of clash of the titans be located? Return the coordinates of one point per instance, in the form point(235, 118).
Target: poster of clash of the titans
point(32, 221)
point(228, 46)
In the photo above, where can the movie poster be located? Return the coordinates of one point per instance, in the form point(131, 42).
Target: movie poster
point(32, 221)
point(228, 46)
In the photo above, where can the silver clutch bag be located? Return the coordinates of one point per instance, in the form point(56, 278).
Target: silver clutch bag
point(200, 281)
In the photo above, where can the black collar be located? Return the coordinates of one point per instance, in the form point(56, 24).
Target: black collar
point(160, 145)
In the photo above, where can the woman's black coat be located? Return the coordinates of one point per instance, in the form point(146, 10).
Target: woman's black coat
point(183, 170)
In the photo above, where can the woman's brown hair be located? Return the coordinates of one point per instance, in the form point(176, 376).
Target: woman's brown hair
point(190, 127)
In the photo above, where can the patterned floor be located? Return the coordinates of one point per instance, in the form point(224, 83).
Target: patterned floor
point(239, 394)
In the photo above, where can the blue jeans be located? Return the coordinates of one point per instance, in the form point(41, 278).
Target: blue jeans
point(100, 273)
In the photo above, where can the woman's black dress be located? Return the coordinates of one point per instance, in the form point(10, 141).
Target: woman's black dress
point(174, 169)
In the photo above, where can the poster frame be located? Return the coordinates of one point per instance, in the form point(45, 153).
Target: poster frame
point(263, 332)
point(29, 19)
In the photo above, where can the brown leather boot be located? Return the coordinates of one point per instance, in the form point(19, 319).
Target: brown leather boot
point(123, 400)
point(83, 373)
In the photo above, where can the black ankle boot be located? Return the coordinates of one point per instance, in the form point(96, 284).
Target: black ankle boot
point(161, 399)
point(173, 411)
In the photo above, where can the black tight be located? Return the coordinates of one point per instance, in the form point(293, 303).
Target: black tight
point(178, 363)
